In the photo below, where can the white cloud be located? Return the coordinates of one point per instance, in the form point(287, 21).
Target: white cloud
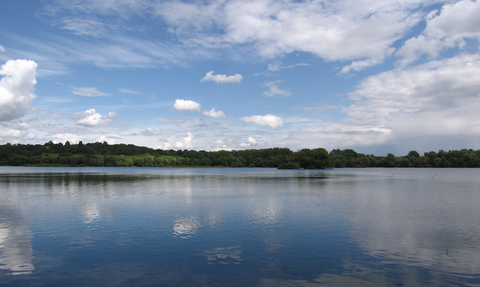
point(127, 91)
point(267, 120)
point(151, 132)
point(2, 49)
point(197, 124)
point(431, 103)
point(88, 92)
point(275, 90)
point(334, 30)
point(314, 132)
point(387, 106)
point(18, 124)
point(360, 65)
point(428, 107)
point(274, 67)
point(448, 28)
point(362, 31)
point(214, 114)
point(250, 142)
point(90, 118)
point(237, 78)
point(17, 88)
point(437, 85)
point(111, 139)
point(460, 19)
point(14, 135)
point(278, 67)
point(219, 144)
point(186, 105)
point(66, 137)
point(82, 27)
point(184, 144)
point(113, 51)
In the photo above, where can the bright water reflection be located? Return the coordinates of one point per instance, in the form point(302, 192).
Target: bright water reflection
point(245, 227)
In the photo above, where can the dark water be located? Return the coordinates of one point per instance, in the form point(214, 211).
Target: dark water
point(239, 227)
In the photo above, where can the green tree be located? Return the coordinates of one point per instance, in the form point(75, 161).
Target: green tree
point(389, 161)
point(404, 162)
point(413, 153)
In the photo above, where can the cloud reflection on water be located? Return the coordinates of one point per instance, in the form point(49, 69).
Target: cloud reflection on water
point(15, 243)
point(358, 275)
point(418, 222)
point(91, 212)
point(393, 236)
point(224, 255)
point(185, 228)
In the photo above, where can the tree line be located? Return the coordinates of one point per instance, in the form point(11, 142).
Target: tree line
point(104, 154)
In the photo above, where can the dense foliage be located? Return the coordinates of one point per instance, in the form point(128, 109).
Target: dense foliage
point(104, 154)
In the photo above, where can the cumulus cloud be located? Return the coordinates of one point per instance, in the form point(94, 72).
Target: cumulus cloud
point(66, 137)
point(90, 118)
point(275, 90)
point(186, 105)
point(430, 103)
point(19, 124)
point(313, 133)
point(267, 120)
point(214, 114)
point(184, 144)
point(445, 29)
point(2, 49)
point(437, 85)
point(88, 92)
point(15, 135)
point(17, 88)
point(250, 142)
point(237, 78)
point(220, 144)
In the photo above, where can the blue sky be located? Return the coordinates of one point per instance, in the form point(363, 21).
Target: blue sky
point(375, 76)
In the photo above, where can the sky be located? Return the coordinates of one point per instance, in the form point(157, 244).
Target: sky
point(376, 76)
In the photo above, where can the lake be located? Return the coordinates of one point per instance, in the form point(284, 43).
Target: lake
point(239, 227)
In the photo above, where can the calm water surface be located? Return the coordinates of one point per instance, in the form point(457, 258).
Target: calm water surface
point(239, 227)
